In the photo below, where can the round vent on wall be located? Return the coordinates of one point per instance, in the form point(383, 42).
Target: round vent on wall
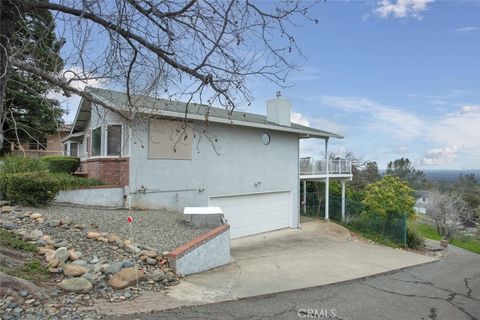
point(265, 138)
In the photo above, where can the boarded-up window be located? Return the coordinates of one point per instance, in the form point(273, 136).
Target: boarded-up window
point(114, 140)
point(169, 140)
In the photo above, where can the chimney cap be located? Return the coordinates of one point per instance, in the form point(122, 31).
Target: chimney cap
point(279, 93)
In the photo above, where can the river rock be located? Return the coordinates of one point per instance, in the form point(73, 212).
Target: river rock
point(80, 263)
point(113, 267)
point(49, 254)
point(126, 278)
point(52, 223)
point(9, 226)
point(63, 243)
point(158, 276)
point(94, 260)
point(62, 254)
point(67, 221)
point(33, 235)
point(35, 215)
point(132, 249)
point(112, 238)
point(74, 270)
point(93, 235)
point(79, 285)
point(72, 255)
point(127, 263)
point(7, 209)
point(149, 253)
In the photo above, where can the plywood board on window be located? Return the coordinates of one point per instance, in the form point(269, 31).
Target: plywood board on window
point(169, 140)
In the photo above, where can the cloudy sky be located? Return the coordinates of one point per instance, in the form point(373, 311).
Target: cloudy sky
point(398, 78)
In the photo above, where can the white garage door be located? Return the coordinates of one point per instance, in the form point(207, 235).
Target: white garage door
point(255, 213)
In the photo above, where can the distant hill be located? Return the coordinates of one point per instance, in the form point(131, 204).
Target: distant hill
point(448, 175)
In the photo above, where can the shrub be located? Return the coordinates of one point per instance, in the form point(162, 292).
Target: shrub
point(32, 188)
point(414, 240)
point(17, 164)
point(68, 182)
point(61, 163)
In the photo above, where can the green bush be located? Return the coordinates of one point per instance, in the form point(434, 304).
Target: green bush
point(414, 240)
point(17, 164)
point(68, 182)
point(61, 163)
point(36, 189)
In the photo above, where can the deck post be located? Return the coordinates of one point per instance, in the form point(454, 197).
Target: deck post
point(304, 196)
point(343, 200)
point(327, 183)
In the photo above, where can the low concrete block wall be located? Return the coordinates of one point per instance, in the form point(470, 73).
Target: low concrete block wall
point(208, 251)
point(103, 196)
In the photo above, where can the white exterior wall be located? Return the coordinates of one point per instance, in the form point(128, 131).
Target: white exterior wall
point(102, 197)
point(242, 162)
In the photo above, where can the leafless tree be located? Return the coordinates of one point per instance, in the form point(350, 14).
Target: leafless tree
point(447, 211)
point(204, 50)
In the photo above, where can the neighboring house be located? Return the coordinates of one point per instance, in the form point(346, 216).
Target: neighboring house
point(422, 201)
point(49, 145)
point(247, 164)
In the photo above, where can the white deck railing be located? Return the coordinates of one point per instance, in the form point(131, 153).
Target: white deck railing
point(310, 166)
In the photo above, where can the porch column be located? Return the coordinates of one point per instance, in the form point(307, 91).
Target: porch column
point(305, 196)
point(343, 200)
point(327, 183)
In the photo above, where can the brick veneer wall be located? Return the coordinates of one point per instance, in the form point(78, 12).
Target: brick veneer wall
point(113, 171)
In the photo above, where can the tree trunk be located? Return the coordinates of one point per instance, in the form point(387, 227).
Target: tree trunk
point(9, 15)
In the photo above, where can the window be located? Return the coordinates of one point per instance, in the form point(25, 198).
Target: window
point(73, 149)
point(169, 140)
point(40, 144)
point(65, 148)
point(88, 145)
point(97, 141)
point(114, 140)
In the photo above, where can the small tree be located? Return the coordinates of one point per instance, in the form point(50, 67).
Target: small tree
point(390, 197)
point(447, 211)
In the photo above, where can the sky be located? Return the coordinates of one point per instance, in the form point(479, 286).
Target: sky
point(397, 78)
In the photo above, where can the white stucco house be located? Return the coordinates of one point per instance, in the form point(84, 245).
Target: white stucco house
point(247, 164)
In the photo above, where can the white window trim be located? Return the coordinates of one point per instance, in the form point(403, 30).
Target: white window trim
point(106, 140)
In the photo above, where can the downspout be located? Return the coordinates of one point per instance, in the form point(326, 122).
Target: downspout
point(130, 167)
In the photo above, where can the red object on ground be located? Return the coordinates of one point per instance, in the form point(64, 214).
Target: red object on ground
point(130, 219)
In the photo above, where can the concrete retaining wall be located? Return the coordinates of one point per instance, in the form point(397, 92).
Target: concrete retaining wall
point(103, 197)
point(208, 251)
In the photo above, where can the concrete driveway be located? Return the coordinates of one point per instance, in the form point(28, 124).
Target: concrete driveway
point(318, 253)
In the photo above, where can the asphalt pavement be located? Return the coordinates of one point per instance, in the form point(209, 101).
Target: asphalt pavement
point(447, 289)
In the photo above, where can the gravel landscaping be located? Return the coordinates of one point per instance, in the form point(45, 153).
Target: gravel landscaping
point(159, 229)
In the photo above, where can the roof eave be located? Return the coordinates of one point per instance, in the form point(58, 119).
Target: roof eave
point(171, 114)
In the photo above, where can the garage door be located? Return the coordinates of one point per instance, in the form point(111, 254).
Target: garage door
point(255, 213)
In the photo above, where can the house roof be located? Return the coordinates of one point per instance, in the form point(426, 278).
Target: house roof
point(176, 109)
